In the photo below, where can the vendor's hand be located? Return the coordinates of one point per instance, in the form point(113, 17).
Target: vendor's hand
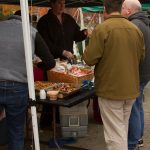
point(88, 32)
point(85, 32)
point(68, 54)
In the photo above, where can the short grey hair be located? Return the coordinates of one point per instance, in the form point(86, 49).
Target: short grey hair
point(134, 5)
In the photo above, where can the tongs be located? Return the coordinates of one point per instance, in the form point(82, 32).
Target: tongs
point(73, 61)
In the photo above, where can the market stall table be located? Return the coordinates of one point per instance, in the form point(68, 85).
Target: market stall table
point(80, 96)
point(72, 100)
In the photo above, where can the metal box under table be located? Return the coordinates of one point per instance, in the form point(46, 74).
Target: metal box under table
point(74, 120)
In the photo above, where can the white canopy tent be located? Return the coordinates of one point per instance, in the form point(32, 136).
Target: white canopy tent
point(29, 67)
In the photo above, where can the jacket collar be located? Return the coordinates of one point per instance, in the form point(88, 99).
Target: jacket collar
point(115, 16)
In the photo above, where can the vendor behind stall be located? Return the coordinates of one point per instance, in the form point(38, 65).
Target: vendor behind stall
point(59, 30)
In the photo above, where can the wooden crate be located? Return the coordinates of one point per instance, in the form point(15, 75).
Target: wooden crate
point(54, 76)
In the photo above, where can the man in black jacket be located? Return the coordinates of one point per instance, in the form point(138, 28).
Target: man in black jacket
point(133, 10)
point(60, 30)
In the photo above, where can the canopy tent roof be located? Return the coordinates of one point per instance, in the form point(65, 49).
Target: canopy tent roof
point(69, 3)
point(97, 9)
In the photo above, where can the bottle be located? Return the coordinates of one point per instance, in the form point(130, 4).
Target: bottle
point(42, 94)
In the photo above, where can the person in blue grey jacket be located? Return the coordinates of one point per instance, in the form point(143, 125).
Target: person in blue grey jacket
point(133, 10)
point(13, 76)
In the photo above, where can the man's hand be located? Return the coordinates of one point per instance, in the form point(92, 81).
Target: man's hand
point(68, 54)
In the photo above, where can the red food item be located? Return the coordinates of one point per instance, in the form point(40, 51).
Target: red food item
point(77, 71)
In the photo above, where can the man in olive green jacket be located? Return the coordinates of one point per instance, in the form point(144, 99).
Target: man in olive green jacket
point(116, 48)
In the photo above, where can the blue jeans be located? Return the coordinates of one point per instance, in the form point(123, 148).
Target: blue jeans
point(136, 121)
point(14, 97)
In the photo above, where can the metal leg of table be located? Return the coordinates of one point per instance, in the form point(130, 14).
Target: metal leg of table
point(54, 127)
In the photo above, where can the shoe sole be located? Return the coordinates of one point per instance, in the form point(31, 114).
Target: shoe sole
point(141, 145)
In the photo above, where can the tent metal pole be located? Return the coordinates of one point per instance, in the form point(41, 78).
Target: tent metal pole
point(29, 67)
point(82, 26)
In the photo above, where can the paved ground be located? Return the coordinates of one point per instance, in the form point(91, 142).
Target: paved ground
point(95, 139)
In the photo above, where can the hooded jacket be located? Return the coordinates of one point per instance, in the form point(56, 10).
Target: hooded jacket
point(141, 20)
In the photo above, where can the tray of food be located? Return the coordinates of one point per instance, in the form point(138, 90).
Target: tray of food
point(46, 85)
point(66, 89)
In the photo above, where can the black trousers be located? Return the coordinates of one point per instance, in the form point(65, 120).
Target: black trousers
point(47, 116)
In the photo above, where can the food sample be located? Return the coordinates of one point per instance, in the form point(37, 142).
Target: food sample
point(65, 87)
point(76, 71)
point(43, 85)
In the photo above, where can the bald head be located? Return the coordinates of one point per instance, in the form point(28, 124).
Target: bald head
point(130, 7)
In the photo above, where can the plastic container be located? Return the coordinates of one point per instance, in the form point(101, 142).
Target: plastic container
point(52, 95)
point(42, 94)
